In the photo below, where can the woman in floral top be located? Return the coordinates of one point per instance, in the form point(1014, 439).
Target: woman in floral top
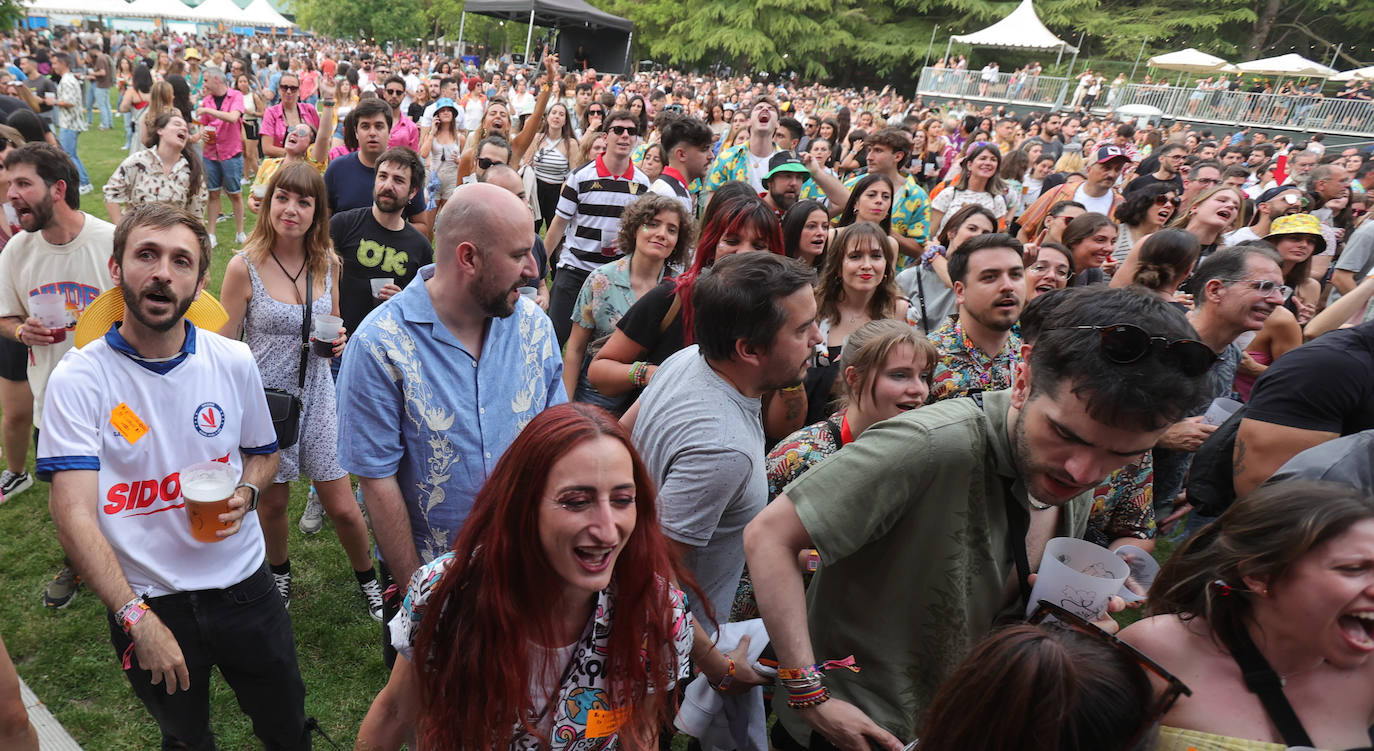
point(169, 171)
point(553, 623)
point(655, 233)
point(886, 368)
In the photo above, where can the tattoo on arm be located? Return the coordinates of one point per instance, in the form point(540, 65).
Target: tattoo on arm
point(1238, 463)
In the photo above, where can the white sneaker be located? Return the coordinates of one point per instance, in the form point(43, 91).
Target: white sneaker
point(87, 188)
point(313, 518)
point(372, 591)
point(241, 238)
point(12, 484)
point(214, 241)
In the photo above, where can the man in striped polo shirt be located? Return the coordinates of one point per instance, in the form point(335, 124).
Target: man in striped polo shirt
point(587, 220)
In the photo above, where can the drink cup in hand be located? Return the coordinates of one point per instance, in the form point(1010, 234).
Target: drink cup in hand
point(326, 331)
point(378, 283)
point(50, 308)
point(206, 488)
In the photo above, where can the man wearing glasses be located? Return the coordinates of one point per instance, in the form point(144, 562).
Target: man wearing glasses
point(587, 219)
point(404, 131)
point(921, 522)
point(1202, 175)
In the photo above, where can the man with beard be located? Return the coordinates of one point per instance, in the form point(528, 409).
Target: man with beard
point(921, 522)
point(350, 178)
point(783, 183)
point(1170, 158)
point(700, 432)
point(375, 242)
point(64, 250)
point(130, 411)
point(978, 349)
point(1271, 204)
point(444, 375)
point(587, 220)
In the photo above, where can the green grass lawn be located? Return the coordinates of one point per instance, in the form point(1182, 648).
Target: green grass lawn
point(66, 657)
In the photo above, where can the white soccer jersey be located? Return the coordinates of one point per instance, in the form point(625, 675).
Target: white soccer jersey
point(207, 406)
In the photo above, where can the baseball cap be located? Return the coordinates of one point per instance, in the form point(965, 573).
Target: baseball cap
point(1109, 152)
point(1275, 192)
point(785, 161)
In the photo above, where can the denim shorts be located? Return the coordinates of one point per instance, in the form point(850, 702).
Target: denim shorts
point(227, 174)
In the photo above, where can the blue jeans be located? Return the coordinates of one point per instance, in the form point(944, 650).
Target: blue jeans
point(67, 138)
point(245, 632)
point(101, 99)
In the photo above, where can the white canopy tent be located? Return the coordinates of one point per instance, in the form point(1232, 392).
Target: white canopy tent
point(1022, 30)
point(1359, 74)
point(78, 7)
point(1188, 60)
point(218, 11)
point(259, 13)
point(1286, 65)
point(164, 9)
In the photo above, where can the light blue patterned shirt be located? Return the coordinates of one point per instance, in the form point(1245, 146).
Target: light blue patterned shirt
point(416, 404)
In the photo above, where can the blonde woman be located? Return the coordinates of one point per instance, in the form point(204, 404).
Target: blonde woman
point(288, 263)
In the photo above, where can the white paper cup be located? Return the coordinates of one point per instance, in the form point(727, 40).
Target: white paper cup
point(1078, 576)
point(1144, 569)
point(378, 283)
point(50, 308)
point(530, 292)
point(1220, 410)
point(327, 328)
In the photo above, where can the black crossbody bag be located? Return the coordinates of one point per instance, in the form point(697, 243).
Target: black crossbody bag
point(284, 406)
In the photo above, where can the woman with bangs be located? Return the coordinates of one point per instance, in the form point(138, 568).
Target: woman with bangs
point(553, 623)
point(655, 235)
point(660, 322)
point(288, 263)
point(857, 285)
point(496, 120)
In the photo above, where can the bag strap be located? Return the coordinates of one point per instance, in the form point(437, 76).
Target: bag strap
point(1262, 681)
point(671, 315)
point(305, 325)
point(1018, 525)
point(921, 294)
point(836, 434)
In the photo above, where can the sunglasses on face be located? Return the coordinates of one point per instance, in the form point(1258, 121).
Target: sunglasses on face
point(1125, 343)
point(621, 130)
point(486, 163)
point(288, 87)
point(395, 92)
point(1264, 286)
point(1162, 200)
point(1174, 687)
point(595, 113)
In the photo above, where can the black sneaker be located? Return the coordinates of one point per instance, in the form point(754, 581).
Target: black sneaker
point(12, 484)
point(283, 582)
point(61, 589)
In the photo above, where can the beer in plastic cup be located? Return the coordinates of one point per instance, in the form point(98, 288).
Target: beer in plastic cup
point(50, 308)
point(327, 329)
point(206, 488)
point(209, 135)
point(378, 283)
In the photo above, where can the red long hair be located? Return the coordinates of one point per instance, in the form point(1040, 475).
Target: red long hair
point(736, 215)
point(472, 653)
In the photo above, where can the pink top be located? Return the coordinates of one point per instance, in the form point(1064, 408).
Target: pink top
point(227, 143)
point(274, 123)
point(405, 133)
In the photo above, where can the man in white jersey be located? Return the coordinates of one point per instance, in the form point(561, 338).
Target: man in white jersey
point(64, 250)
point(126, 413)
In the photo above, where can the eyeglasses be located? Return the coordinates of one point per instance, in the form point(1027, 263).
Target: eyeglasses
point(1126, 343)
point(1208, 181)
point(1161, 200)
point(486, 163)
point(1264, 286)
point(1174, 687)
point(1042, 267)
point(621, 130)
point(287, 87)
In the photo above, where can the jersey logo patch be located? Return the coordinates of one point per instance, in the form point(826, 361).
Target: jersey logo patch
point(209, 419)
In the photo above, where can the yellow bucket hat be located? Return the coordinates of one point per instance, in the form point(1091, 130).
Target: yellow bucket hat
point(206, 313)
point(1298, 224)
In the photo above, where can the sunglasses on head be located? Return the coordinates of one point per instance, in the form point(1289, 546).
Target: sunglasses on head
point(1173, 689)
point(1126, 343)
point(486, 163)
point(621, 130)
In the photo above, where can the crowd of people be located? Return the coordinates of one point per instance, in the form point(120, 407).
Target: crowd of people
point(680, 401)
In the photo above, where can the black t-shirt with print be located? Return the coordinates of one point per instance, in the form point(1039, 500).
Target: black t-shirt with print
point(370, 251)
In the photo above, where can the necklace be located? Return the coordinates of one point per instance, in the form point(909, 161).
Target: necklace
point(294, 284)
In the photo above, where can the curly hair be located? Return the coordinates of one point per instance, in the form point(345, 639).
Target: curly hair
point(639, 213)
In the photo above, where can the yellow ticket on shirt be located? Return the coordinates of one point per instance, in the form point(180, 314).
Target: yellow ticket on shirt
point(129, 425)
point(602, 723)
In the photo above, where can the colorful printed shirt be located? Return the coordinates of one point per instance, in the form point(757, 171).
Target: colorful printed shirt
point(964, 369)
point(910, 212)
point(1124, 504)
point(606, 295)
point(733, 164)
point(582, 703)
point(141, 179)
point(802, 450)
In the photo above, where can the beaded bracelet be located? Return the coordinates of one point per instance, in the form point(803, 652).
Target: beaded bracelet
point(810, 699)
point(639, 374)
point(814, 671)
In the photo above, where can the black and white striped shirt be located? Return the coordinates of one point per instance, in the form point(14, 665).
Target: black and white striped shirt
point(591, 202)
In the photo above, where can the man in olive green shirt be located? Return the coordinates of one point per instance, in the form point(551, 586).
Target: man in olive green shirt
point(912, 521)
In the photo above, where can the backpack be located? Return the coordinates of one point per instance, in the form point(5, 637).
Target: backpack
point(1211, 478)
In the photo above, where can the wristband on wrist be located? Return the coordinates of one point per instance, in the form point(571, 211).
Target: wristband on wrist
point(326, 102)
point(19, 333)
point(808, 699)
point(728, 678)
point(132, 612)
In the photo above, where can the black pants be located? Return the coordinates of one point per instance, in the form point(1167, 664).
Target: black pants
point(245, 632)
point(547, 194)
point(567, 283)
point(783, 741)
point(391, 605)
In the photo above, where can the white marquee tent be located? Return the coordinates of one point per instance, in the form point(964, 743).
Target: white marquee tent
point(219, 11)
point(1021, 30)
point(78, 7)
point(259, 13)
point(1286, 65)
point(1188, 60)
point(1359, 74)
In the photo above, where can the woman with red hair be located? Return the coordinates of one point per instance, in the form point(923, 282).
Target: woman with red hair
point(553, 622)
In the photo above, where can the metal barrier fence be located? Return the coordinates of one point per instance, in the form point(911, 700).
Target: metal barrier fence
point(1236, 108)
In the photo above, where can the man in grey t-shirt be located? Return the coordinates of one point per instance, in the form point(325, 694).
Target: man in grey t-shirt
point(699, 427)
point(1355, 263)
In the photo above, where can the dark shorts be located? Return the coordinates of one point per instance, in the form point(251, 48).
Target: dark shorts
point(14, 360)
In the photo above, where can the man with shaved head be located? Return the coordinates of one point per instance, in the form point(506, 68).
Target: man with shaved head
point(442, 377)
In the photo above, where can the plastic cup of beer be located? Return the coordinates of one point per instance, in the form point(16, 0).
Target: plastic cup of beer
point(206, 488)
point(50, 308)
point(378, 283)
point(326, 330)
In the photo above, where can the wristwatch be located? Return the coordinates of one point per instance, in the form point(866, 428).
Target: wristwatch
point(253, 496)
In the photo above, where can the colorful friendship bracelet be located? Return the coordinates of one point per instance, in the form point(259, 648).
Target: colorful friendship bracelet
point(809, 699)
point(814, 671)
